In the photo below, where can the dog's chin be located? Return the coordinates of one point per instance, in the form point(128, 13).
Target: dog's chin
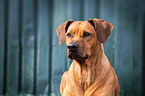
point(74, 56)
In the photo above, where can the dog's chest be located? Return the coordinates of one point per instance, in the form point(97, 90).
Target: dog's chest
point(87, 76)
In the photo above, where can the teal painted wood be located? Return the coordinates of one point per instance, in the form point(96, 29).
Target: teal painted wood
point(5, 47)
point(43, 47)
point(138, 48)
point(2, 39)
point(13, 48)
point(28, 46)
point(59, 60)
point(107, 13)
point(91, 9)
point(75, 9)
point(37, 70)
point(36, 50)
point(124, 46)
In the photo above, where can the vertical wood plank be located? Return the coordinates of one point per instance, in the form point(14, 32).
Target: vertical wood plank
point(124, 46)
point(143, 46)
point(6, 7)
point(50, 43)
point(107, 13)
point(91, 9)
point(36, 66)
point(20, 47)
point(75, 9)
point(59, 58)
point(138, 47)
point(13, 49)
point(27, 46)
point(1, 44)
point(43, 48)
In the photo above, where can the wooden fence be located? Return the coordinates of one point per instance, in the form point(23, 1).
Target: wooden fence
point(32, 61)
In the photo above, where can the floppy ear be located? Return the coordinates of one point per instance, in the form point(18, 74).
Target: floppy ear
point(61, 30)
point(102, 28)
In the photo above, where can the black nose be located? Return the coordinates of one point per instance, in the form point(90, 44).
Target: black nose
point(73, 46)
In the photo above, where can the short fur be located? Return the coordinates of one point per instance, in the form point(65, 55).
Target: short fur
point(93, 76)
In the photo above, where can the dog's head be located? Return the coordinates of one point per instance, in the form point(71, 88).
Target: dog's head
point(83, 36)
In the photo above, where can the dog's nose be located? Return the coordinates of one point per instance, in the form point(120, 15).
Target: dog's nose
point(73, 46)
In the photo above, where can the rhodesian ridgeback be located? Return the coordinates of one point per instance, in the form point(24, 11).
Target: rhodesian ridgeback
point(90, 73)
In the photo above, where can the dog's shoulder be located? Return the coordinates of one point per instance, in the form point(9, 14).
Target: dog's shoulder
point(63, 82)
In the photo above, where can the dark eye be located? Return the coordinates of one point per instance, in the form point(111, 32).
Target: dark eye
point(68, 35)
point(86, 34)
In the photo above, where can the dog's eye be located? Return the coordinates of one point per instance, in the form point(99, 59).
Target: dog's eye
point(68, 34)
point(86, 34)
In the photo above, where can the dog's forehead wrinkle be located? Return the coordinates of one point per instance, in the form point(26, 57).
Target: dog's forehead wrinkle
point(84, 31)
point(76, 31)
point(81, 25)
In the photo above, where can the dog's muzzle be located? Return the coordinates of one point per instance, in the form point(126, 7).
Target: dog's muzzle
point(73, 52)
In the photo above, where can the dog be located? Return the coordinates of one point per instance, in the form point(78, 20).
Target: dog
point(90, 73)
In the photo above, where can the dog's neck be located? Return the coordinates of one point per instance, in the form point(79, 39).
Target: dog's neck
point(87, 71)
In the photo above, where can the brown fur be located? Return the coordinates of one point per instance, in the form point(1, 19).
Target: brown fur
point(93, 76)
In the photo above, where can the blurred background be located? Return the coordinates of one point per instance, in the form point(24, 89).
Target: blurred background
point(31, 60)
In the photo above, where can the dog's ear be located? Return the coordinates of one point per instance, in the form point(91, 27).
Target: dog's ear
point(61, 30)
point(102, 28)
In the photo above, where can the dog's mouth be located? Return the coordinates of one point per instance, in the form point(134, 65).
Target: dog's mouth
point(76, 55)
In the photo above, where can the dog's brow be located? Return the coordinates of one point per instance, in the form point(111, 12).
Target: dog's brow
point(84, 31)
point(70, 31)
